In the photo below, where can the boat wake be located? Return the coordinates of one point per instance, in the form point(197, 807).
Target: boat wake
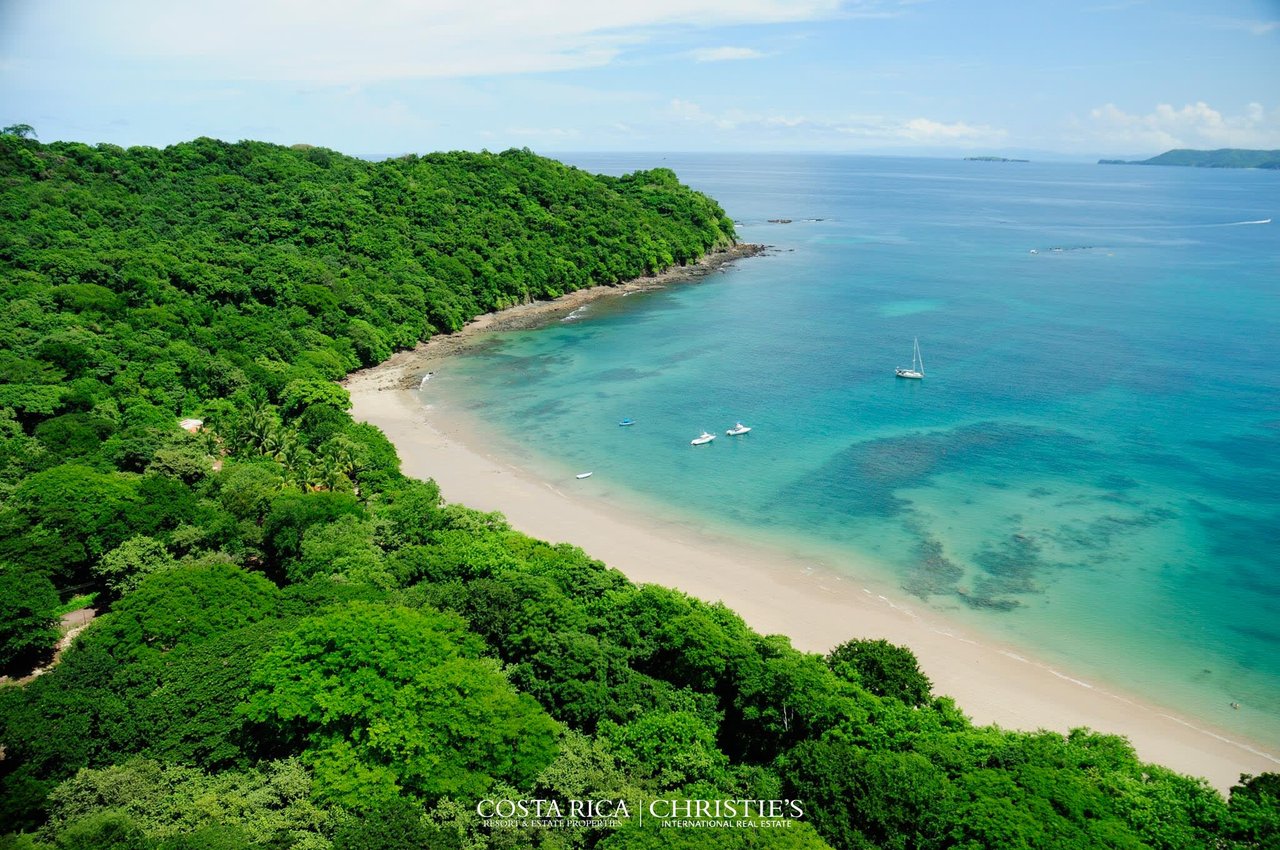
point(1169, 226)
point(1228, 223)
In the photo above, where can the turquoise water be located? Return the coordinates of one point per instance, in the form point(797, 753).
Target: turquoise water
point(1090, 469)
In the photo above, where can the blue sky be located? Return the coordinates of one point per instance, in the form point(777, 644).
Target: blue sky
point(918, 77)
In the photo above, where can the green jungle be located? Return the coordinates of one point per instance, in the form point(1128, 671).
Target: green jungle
point(299, 647)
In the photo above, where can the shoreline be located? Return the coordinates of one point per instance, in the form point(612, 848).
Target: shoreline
point(404, 369)
point(775, 592)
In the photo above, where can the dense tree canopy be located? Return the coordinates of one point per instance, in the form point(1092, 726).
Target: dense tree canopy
point(389, 699)
point(882, 668)
point(27, 604)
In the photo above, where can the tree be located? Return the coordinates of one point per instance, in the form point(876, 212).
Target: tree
point(292, 514)
point(22, 131)
point(108, 829)
point(883, 668)
point(28, 625)
point(685, 641)
point(265, 806)
point(386, 699)
point(301, 395)
point(857, 798)
point(247, 489)
point(185, 701)
point(1254, 811)
point(184, 606)
point(74, 435)
point(377, 466)
point(343, 547)
point(667, 749)
point(1167, 810)
point(124, 567)
point(398, 825)
point(69, 516)
point(785, 696)
point(188, 462)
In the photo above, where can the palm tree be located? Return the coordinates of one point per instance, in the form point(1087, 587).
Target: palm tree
point(274, 438)
point(297, 462)
point(325, 474)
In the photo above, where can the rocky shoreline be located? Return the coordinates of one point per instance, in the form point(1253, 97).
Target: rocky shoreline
point(405, 369)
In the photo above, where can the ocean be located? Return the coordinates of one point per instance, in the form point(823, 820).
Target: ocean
point(1090, 469)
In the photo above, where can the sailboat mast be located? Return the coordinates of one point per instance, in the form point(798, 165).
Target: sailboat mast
point(919, 358)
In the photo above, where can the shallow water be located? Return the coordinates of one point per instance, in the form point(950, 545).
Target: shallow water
point(1090, 469)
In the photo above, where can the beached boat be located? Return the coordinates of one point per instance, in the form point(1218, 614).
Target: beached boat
point(584, 475)
point(703, 439)
point(627, 421)
point(917, 365)
point(737, 429)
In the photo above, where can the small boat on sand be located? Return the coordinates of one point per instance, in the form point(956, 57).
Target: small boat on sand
point(584, 474)
point(737, 429)
point(702, 440)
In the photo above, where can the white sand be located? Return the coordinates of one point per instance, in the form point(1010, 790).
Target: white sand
point(775, 595)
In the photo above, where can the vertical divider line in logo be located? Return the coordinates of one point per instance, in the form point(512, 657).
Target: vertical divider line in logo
point(640, 808)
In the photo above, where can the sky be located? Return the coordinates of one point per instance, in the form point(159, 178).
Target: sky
point(1074, 78)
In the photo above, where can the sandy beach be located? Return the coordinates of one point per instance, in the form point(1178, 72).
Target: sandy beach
point(773, 591)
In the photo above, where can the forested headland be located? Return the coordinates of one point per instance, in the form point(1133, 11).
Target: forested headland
point(1221, 158)
point(302, 648)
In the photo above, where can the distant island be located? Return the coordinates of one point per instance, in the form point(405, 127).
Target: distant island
point(992, 159)
point(1222, 158)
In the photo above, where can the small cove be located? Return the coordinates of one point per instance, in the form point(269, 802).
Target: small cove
point(1089, 468)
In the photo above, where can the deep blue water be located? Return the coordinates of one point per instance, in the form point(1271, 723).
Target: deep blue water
point(1091, 467)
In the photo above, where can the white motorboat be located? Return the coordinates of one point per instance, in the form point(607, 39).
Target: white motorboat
point(917, 365)
point(584, 475)
point(737, 429)
point(702, 440)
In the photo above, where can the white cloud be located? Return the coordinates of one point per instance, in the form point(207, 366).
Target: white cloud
point(332, 41)
point(724, 54)
point(785, 121)
point(919, 132)
point(1195, 125)
point(684, 110)
point(862, 130)
point(1253, 27)
point(545, 133)
point(927, 131)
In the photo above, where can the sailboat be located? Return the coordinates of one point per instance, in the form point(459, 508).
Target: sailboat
point(917, 365)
